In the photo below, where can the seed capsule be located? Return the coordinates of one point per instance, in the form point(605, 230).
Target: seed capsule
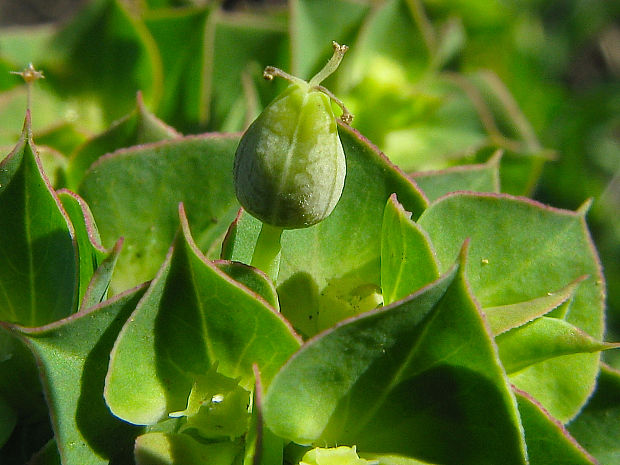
point(290, 167)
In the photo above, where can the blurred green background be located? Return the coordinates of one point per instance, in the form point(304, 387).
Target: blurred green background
point(451, 80)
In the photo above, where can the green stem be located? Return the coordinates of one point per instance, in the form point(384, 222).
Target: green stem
point(266, 255)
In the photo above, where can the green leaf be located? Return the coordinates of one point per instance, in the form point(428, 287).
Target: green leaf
point(521, 250)
point(419, 378)
point(548, 442)
point(8, 419)
point(431, 146)
point(596, 427)
point(333, 456)
point(138, 127)
point(38, 278)
point(177, 449)
point(543, 339)
point(262, 446)
point(407, 258)
point(343, 270)
point(20, 386)
point(252, 278)
point(192, 316)
point(381, 35)
point(104, 44)
point(54, 164)
point(63, 136)
point(259, 41)
point(478, 178)
point(505, 317)
point(135, 193)
point(314, 24)
point(73, 357)
point(90, 251)
point(97, 290)
point(341, 277)
point(389, 459)
point(49, 455)
point(182, 40)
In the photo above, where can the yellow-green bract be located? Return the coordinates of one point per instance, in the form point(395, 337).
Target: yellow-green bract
point(290, 167)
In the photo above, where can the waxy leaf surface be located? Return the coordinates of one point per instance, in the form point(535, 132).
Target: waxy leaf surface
point(331, 271)
point(505, 317)
point(522, 250)
point(90, 251)
point(181, 38)
point(314, 24)
point(38, 276)
point(138, 127)
point(105, 44)
point(73, 357)
point(543, 339)
point(548, 441)
point(476, 178)
point(420, 378)
point(336, 261)
point(596, 427)
point(192, 316)
point(134, 193)
point(252, 278)
point(172, 448)
point(407, 258)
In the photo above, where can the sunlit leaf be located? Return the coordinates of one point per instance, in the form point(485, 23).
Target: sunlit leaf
point(73, 356)
point(419, 378)
point(134, 193)
point(38, 276)
point(192, 316)
point(522, 250)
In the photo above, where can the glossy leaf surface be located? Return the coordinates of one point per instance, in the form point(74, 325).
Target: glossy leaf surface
point(408, 260)
point(519, 252)
point(171, 449)
point(505, 317)
point(138, 127)
point(548, 441)
point(343, 267)
point(90, 251)
point(596, 427)
point(418, 378)
point(73, 357)
point(135, 193)
point(38, 276)
point(192, 316)
point(476, 178)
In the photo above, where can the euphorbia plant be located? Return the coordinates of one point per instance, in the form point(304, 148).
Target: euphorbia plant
point(414, 319)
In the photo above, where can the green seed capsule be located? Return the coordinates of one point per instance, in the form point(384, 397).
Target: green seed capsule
point(290, 167)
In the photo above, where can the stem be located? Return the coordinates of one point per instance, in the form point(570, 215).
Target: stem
point(330, 67)
point(266, 255)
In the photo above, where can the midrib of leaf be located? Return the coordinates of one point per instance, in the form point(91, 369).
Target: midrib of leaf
point(200, 305)
point(8, 301)
point(399, 275)
point(397, 378)
point(28, 227)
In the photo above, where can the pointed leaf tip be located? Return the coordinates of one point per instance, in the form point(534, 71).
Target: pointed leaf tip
point(584, 208)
